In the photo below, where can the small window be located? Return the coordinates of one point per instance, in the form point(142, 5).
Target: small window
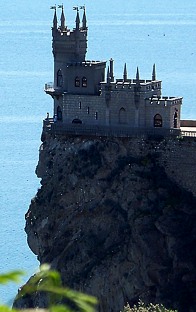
point(59, 114)
point(80, 105)
point(76, 121)
point(158, 123)
point(88, 110)
point(77, 82)
point(59, 78)
point(96, 115)
point(176, 120)
point(84, 82)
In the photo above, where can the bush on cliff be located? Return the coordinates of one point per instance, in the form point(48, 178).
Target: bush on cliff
point(49, 281)
point(141, 307)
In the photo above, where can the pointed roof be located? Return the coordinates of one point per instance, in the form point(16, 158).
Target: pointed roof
point(77, 19)
point(55, 18)
point(137, 74)
point(62, 19)
point(125, 72)
point(154, 73)
point(84, 20)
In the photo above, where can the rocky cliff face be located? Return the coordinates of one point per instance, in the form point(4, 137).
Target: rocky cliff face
point(117, 218)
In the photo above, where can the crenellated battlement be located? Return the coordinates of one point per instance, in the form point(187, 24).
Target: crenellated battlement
point(164, 101)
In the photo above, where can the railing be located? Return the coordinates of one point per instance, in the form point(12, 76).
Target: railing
point(49, 86)
point(188, 133)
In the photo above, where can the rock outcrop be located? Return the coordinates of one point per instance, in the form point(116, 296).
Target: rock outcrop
point(117, 218)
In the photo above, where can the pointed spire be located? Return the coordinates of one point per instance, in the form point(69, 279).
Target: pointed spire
point(55, 17)
point(77, 19)
point(125, 73)
point(154, 73)
point(112, 70)
point(62, 19)
point(84, 20)
point(137, 74)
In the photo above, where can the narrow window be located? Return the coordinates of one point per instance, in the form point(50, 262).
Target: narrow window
point(122, 116)
point(59, 113)
point(96, 115)
point(88, 110)
point(158, 123)
point(77, 82)
point(84, 82)
point(80, 105)
point(59, 78)
point(175, 120)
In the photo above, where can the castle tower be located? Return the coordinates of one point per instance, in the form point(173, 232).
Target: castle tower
point(69, 46)
point(73, 74)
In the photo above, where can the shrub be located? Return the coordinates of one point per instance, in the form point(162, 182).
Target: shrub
point(141, 307)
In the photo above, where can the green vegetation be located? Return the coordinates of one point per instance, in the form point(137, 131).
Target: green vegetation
point(141, 307)
point(49, 281)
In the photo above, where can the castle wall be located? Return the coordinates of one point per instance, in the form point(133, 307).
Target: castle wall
point(89, 109)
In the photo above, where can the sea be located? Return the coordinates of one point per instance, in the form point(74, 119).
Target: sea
point(139, 33)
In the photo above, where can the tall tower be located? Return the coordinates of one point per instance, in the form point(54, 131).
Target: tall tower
point(69, 46)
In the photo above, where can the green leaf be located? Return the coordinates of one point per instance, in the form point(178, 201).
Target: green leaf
point(6, 309)
point(49, 281)
point(60, 308)
point(14, 276)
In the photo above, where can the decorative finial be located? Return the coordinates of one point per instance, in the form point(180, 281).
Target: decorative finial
point(154, 73)
point(75, 8)
point(125, 73)
point(112, 70)
point(137, 74)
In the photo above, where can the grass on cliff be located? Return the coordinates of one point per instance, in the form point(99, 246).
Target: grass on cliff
point(49, 282)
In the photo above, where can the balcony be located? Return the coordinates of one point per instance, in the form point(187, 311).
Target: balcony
point(51, 90)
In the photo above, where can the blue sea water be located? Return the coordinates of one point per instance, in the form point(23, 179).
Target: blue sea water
point(139, 33)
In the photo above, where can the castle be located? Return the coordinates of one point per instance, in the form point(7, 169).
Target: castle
point(85, 95)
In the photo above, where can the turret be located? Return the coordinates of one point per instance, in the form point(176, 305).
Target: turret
point(68, 45)
point(154, 73)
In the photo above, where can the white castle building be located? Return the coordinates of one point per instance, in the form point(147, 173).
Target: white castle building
point(84, 94)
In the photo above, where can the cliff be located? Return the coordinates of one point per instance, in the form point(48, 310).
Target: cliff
point(117, 218)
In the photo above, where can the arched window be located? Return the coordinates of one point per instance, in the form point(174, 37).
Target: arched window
point(77, 121)
point(158, 123)
point(122, 116)
point(84, 82)
point(176, 120)
point(59, 113)
point(77, 82)
point(59, 78)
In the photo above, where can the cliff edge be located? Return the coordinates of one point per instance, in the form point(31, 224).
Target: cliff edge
point(117, 218)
